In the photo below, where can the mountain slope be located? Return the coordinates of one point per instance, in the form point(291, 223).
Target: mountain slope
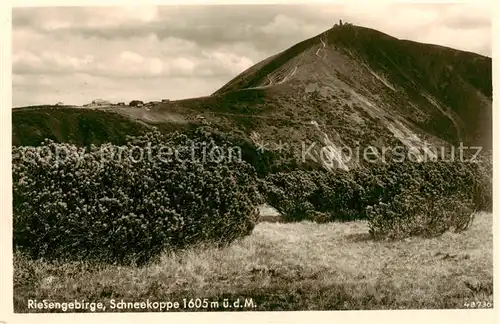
point(347, 87)
point(444, 92)
point(83, 126)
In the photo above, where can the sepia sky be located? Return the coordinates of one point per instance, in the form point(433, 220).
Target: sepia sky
point(77, 54)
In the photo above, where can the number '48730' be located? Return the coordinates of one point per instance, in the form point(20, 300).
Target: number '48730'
point(478, 304)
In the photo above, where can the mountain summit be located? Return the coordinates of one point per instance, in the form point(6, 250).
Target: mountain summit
point(351, 75)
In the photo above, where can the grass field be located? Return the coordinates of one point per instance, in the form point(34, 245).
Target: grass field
point(302, 266)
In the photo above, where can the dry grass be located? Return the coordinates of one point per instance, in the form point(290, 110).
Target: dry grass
point(289, 267)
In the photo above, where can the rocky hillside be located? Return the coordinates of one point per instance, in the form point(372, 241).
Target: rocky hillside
point(357, 86)
point(349, 86)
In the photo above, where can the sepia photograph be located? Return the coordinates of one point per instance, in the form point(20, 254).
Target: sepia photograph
point(252, 158)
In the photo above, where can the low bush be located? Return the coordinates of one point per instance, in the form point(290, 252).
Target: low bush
point(483, 172)
point(93, 204)
point(398, 199)
point(290, 194)
point(301, 195)
point(412, 213)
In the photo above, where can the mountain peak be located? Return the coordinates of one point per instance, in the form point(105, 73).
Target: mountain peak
point(348, 87)
point(351, 77)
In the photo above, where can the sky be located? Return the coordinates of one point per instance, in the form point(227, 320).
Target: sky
point(77, 54)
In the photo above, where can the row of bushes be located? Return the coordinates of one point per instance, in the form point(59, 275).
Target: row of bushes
point(398, 199)
point(90, 205)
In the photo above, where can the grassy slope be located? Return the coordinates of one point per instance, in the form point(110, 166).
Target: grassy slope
point(300, 266)
point(78, 125)
point(461, 80)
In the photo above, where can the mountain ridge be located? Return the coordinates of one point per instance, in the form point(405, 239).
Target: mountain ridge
point(349, 86)
point(451, 86)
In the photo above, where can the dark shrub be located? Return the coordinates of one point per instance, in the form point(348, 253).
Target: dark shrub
point(121, 208)
point(483, 190)
point(398, 199)
point(301, 195)
point(412, 213)
point(290, 194)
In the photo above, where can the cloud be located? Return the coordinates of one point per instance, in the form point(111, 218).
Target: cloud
point(81, 53)
point(227, 61)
